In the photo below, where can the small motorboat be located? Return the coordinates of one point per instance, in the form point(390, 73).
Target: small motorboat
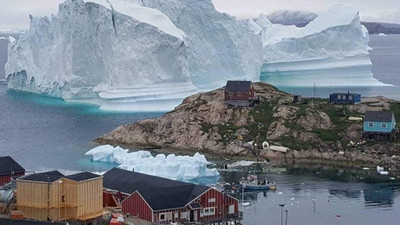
point(252, 183)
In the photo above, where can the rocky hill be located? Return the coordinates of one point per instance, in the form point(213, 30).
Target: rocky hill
point(312, 129)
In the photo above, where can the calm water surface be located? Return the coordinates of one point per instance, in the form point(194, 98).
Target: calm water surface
point(47, 133)
point(385, 57)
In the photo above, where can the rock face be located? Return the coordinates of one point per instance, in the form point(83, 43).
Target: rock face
point(204, 123)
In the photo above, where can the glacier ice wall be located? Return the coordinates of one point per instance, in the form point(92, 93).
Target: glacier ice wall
point(147, 55)
point(129, 54)
point(184, 168)
point(92, 51)
point(220, 46)
point(331, 50)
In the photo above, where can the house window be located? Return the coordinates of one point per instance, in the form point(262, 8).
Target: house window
point(339, 97)
point(211, 200)
point(183, 215)
point(370, 124)
point(176, 215)
point(210, 211)
point(162, 217)
point(344, 97)
point(350, 97)
point(384, 125)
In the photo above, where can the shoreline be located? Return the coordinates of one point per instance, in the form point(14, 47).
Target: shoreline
point(313, 131)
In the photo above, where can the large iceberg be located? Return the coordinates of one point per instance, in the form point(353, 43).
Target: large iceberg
point(124, 55)
point(184, 168)
point(147, 55)
point(332, 50)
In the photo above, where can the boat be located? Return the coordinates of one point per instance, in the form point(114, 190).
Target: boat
point(252, 183)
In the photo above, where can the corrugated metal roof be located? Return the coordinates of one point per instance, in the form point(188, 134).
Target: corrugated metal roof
point(238, 86)
point(378, 116)
point(8, 165)
point(159, 193)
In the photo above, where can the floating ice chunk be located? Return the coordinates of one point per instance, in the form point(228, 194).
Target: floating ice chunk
point(171, 166)
point(382, 34)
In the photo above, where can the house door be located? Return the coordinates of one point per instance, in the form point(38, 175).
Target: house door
point(191, 216)
point(195, 215)
point(231, 209)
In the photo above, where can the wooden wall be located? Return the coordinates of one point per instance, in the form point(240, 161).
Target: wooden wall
point(39, 200)
point(137, 206)
point(90, 198)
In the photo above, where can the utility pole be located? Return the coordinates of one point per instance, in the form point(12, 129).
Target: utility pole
point(312, 100)
point(282, 205)
point(286, 216)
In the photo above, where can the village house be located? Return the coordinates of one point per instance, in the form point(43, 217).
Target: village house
point(51, 196)
point(7, 221)
point(380, 125)
point(345, 98)
point(163, 201)
point(239, 93)
point(9, 169)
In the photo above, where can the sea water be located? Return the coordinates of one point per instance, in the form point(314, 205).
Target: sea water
point(44, 133)
point(385, 57)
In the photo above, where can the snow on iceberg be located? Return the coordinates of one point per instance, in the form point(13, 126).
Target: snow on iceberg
point(332, 50)
point(184, 168)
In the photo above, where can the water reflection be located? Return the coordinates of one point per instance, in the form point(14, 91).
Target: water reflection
point(381, 195)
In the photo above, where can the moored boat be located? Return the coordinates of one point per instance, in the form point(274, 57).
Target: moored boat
point(252, 183)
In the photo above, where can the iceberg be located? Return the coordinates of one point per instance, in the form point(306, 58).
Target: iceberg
point(330, 50)
point(130, 55)
point(148, 55)
point(184, 168)
point(220, 46)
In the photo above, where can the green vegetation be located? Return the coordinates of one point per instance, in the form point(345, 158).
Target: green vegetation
point(263, 117)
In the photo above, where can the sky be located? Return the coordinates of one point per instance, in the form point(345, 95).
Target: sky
point(14, 14)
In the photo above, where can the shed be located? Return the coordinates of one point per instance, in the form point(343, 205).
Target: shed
point(53, 196)
point(345, 98)
point(239, 93)
point(297, 98)
point(160, 200)
point(9, 169)
point(380, 124)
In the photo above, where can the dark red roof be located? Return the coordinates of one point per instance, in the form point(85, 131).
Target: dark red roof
point(238, 86)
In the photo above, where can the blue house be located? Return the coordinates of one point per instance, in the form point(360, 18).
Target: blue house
point(380, 124)
point(345, 98)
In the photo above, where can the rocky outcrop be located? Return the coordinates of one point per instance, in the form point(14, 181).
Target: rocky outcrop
point(317, 131)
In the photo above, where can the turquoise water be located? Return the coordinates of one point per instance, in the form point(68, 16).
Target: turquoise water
point(49, 133)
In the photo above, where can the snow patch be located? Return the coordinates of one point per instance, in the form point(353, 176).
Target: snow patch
point(184, 168)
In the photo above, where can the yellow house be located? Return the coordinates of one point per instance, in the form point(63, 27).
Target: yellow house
point(53, 196)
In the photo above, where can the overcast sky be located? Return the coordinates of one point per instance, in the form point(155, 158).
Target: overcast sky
point(14, 13)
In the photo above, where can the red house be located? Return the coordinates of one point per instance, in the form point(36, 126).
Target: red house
point(162, 201)
point(239, 91)
point(9, 168)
